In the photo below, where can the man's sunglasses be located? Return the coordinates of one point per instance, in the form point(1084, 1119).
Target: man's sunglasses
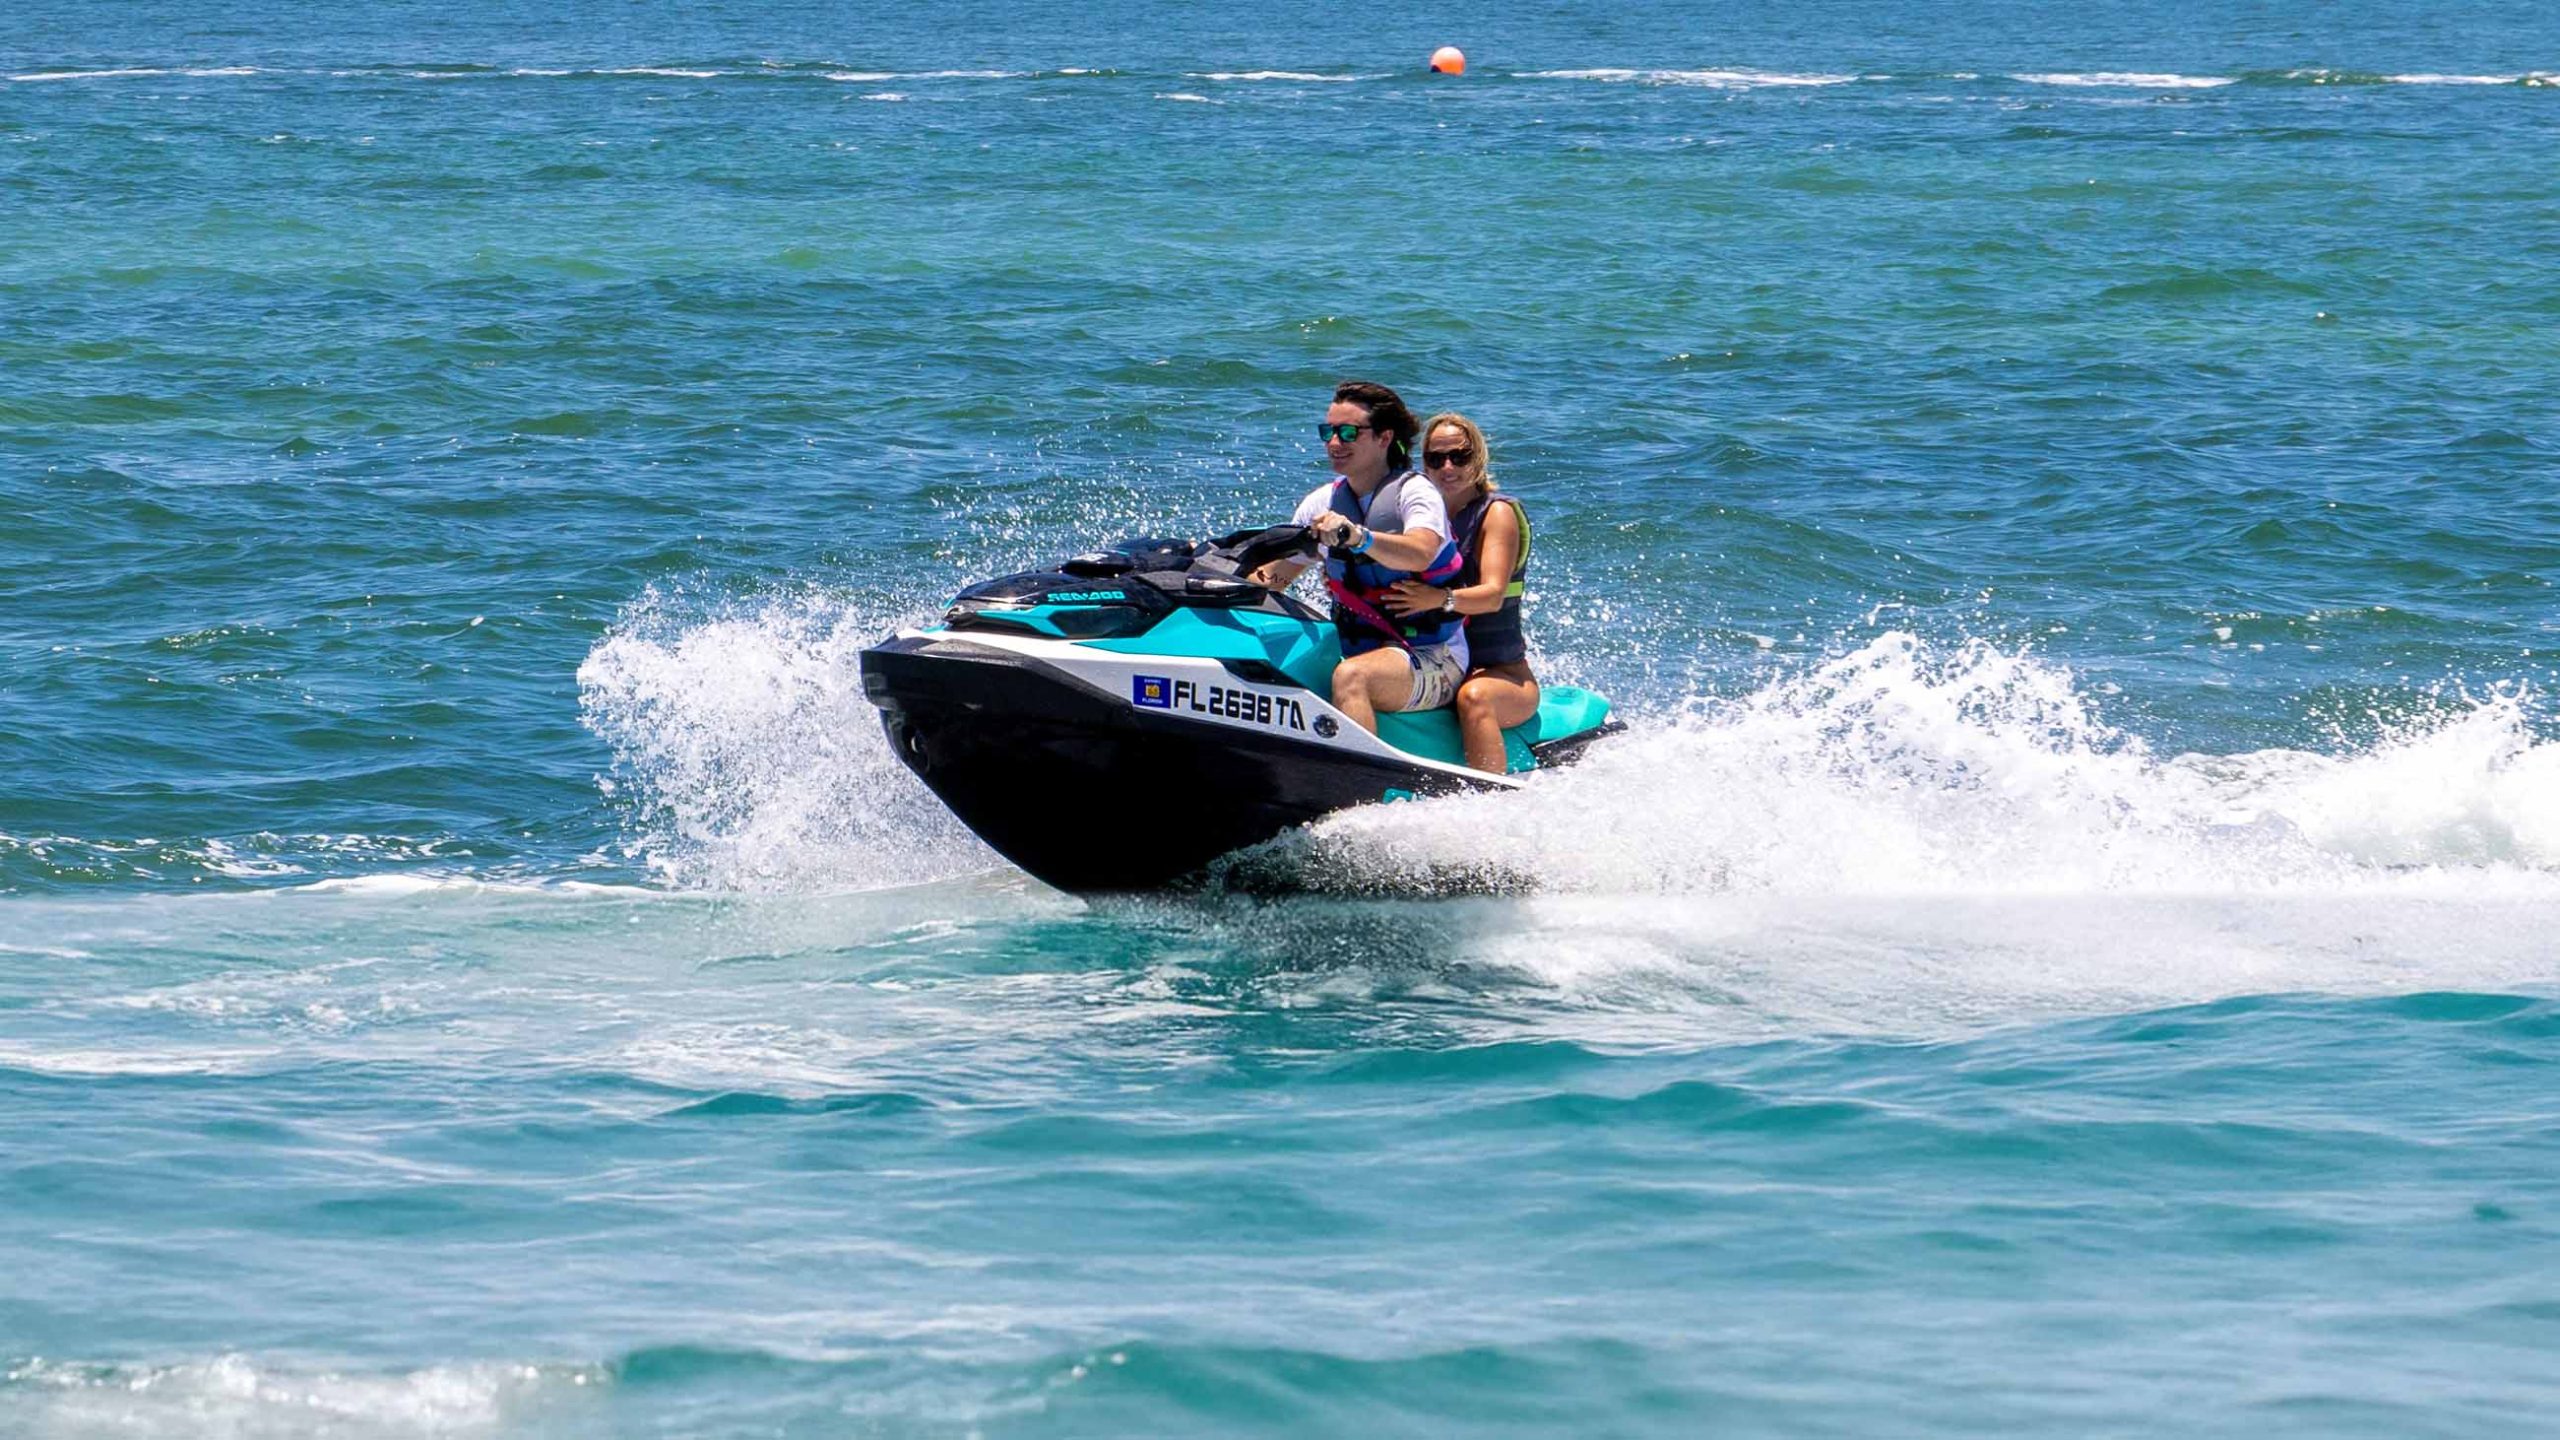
point(1437, 458)
point(1344, 433)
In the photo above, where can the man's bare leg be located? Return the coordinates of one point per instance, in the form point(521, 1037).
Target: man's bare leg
point(1368, 683)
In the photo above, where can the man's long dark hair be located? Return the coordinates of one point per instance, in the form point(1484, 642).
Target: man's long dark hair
point(1386, 411)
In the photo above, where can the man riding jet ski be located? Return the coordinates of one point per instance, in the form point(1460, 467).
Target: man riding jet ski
point(1381, 522)
point(1124, 718)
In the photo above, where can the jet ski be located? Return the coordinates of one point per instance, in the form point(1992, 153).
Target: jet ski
point(1119, 721)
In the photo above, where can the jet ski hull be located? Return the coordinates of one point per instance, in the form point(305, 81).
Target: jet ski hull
point(1090, 793)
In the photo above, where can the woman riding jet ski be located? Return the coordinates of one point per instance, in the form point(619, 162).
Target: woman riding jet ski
point(1121, 720)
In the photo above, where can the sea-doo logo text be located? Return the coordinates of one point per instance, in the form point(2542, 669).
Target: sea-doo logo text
point(1278, 712)
point(1153, 691)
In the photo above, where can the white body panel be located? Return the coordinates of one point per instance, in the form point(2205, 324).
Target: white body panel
point(1205, 691)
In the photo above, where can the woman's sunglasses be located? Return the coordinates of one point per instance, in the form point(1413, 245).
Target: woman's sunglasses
point(1344, 433)
point(1437, 458)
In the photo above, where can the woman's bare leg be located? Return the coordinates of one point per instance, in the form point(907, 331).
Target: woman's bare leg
point(1493, 700)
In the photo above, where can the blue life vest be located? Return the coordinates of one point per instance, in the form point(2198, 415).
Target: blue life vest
point(1359, 586)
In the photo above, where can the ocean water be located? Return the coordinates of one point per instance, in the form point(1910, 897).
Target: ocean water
point(2063, 497)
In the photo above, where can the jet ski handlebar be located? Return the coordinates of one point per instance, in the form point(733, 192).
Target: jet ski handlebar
point(1250, 550)
point(1219, 571)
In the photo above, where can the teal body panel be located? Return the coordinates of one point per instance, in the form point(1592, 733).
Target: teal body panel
point(1305, 653)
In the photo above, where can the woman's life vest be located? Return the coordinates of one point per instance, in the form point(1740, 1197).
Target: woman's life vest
point(1359, 585)
point(1494, 638)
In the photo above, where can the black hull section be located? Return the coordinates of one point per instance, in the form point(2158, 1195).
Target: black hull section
point(1093, 795)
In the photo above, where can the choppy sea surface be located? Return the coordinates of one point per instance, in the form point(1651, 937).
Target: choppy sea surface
point(2064, 497)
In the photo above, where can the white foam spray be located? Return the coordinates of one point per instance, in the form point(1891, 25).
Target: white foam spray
point(1908, 769)
point(750, 756)
point(1902, 768)
point(742, 741)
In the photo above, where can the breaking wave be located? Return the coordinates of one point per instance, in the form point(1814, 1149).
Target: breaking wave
point(1713, 79)
point(2127, 79)
point(236, 1395)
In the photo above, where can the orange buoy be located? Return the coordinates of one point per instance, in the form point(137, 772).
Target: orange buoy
point(1449, 60)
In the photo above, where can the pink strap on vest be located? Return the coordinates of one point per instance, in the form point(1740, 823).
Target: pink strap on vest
point(1348, 599)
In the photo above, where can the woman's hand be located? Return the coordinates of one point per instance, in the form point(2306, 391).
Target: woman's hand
point(1412, 597)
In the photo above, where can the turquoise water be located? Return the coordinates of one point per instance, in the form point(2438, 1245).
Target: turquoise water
point(2062, 497)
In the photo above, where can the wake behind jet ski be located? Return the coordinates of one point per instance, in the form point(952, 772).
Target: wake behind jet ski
point(1121, 720)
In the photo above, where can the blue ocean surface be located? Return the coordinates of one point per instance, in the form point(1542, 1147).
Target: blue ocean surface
point(2063, 497)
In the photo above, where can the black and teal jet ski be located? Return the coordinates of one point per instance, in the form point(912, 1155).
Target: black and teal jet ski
point(1121, 720)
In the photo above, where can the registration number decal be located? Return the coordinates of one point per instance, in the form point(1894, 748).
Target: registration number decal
point(1250, 707)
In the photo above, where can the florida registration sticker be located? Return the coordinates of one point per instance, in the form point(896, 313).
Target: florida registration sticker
point(1153, 691)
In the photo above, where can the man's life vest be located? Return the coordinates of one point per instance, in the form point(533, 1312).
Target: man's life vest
point(1359, 585)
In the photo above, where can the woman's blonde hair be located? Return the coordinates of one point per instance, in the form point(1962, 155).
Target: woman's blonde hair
point(1475, 441)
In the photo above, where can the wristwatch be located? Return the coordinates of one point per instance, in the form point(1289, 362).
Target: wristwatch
point(1448, 602)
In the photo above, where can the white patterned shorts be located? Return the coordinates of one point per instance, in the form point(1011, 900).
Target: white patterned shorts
point(1437, 672)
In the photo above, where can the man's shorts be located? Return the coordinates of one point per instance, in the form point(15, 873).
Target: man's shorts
point(1437, 673)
